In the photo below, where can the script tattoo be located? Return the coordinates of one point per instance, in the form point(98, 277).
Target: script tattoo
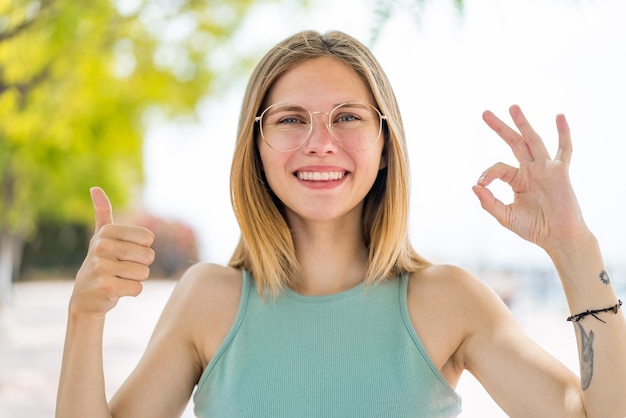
point(604, 277)
point(586, 356)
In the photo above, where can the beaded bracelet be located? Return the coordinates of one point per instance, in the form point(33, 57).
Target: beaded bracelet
point(579, 316)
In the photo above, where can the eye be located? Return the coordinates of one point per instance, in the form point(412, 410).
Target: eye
point(350, 117)
point(347, 117)
point(291, 120)
point(353, 113)
point(287, 117)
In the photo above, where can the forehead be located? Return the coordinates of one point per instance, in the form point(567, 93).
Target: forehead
point(320, 83)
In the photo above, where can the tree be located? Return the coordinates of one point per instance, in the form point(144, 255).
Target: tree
point(76, 81)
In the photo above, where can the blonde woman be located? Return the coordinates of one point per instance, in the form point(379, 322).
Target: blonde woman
point(325, 309)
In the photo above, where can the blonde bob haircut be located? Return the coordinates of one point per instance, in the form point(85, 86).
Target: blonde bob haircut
point(266, 247)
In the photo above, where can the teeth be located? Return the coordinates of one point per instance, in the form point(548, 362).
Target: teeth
point(320, 176)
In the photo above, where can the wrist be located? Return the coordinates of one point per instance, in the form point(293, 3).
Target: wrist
point(583, 274)
point(79, 316)
point(580, 252)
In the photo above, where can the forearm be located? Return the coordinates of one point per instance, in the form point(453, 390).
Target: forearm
point(601, 340)
point(81, 386)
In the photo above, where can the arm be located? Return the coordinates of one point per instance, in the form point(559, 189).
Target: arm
point(545, 211)
point(115, 266)
point(194, 323)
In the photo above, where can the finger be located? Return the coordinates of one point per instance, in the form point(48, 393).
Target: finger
point(130, 252)
point(102, 207)
point(564, 153)
point(117, 287)
point(511, 137)
point(499, 171)
point(535, 144)
point(489, 203)
point(130, 287)
point(123, 250)
point(106, 267)
point(129, 233)
point(134, 271)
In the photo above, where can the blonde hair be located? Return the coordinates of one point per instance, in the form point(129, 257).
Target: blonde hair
point(266, 248)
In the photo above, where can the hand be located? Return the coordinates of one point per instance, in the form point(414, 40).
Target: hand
point(117, 262)
point(544, 210)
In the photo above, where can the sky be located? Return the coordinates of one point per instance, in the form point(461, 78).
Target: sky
point(548, 56)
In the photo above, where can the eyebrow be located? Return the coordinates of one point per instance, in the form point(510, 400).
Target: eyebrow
point(295, 106)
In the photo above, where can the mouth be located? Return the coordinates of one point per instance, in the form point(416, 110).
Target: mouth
point(320, 175)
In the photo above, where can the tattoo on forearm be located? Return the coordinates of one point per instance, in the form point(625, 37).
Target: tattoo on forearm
point(586, 356)
point(604, 277)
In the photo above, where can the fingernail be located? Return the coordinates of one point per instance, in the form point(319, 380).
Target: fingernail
point(481, 178)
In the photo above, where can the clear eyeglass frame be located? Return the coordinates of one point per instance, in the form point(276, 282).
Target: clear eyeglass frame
point(329, 125)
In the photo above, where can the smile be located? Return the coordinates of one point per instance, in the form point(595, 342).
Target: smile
point(320, 176)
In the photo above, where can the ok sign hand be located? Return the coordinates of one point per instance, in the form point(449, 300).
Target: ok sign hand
point(544, 210)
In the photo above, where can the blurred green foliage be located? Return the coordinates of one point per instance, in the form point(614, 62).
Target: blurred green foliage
point(76, 78)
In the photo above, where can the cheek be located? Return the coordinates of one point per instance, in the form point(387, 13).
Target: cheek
point(267, 156)
point(272, 166)
point(374, 161)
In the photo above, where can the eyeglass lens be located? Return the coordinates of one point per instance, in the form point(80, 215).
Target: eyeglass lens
point(355, 126)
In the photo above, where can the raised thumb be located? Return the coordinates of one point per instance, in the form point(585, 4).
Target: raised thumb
point(102, 207)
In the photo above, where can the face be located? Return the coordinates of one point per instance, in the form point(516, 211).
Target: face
point(320, 181)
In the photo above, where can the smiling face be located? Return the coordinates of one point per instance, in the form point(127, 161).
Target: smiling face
point(320, 181)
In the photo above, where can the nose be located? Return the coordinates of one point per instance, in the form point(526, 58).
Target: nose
point(320, 140)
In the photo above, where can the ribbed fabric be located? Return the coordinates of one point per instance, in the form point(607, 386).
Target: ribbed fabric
point(350, 354)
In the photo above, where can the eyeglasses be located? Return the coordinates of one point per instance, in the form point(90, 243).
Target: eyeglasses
point(354, 126)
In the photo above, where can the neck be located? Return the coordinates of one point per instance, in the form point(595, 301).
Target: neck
point(332, 255)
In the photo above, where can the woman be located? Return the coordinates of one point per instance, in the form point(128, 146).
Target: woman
point(325, 309)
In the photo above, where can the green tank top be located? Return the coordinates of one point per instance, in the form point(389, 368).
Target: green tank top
point(349, 354)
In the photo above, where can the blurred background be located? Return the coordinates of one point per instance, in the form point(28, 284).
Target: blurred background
point(141, 97)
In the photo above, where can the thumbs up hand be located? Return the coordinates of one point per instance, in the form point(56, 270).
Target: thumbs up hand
point(117, 262)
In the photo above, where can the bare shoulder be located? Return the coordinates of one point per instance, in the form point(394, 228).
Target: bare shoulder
point(205, 303)
point(212, 281)
point(447, 305)
point(441, 277)
point(196, 319)
point(452, 287)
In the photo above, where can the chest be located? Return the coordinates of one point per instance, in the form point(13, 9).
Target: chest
point(351, 356)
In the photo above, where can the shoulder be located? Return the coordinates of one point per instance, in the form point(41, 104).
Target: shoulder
point(207, 280)
point(453, 287)
point(448, 292)
point(194, 322)
point(204, 305)
point(209, 291)
point(207, 288)
point(449, 307)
